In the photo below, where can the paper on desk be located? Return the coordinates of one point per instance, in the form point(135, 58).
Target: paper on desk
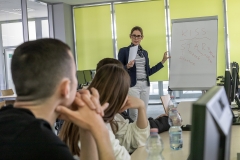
point(132, 53)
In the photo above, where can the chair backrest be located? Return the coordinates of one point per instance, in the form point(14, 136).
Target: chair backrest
point(165, 99)
point(10, 102)
point(7, 92)
point(2, 103)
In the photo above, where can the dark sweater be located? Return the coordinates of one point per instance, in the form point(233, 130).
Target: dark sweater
point(22, 136)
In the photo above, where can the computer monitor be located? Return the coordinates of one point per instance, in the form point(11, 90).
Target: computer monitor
point(228, 85)
point(211, 126)
point(234, 83)
point(88, 75)
point(235, 64)
point(81, 78)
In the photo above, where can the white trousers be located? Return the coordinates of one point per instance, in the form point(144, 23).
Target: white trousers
point(140, 90)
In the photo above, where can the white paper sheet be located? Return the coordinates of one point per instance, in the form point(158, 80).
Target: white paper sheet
point(132, 53)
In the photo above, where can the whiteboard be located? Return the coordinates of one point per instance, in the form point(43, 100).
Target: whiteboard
point(193, 63)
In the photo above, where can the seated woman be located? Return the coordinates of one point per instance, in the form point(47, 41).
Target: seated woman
point(161, 122)
point(112, 83)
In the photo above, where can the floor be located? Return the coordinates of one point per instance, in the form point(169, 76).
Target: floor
point(155, 107)
point(154, 110)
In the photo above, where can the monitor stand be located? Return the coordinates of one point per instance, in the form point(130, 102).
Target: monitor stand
point(237, 103)
point(236, 121)
point(234, 106)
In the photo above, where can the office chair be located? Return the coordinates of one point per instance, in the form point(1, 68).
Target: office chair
point(2, 103)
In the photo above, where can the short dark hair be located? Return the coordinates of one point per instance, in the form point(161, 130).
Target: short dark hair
point(137, 28)
point(38, 66)
point(105, 61)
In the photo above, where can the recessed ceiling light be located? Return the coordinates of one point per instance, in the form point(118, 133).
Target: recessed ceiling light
point(19, 9)
point(11, 12)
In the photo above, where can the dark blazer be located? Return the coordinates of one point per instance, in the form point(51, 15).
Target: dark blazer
point(123, 57)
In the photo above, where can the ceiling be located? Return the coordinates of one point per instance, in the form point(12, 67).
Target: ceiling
point(11, 10)
point(74, 2)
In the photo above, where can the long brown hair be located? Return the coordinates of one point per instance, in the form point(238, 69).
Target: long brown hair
point(112, 83)
point(105, 61)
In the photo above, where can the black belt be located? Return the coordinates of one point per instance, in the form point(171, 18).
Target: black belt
point(142, 79)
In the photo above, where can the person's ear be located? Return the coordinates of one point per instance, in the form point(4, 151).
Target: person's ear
point(142, 37)
point(130, 36)
point(65, 88)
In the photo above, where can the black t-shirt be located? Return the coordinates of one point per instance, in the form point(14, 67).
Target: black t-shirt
point(22, 136)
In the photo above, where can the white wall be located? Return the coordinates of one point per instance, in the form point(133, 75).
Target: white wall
point(63, 24)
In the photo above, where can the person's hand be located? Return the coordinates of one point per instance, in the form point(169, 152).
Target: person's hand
point(130, 64)
point(92, 100)
point(133, 102)
point(83, 111)
point(165, 57)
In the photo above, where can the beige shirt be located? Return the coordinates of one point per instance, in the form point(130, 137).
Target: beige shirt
point(128, 137)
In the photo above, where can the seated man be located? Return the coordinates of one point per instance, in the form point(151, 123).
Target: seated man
point(43, 73)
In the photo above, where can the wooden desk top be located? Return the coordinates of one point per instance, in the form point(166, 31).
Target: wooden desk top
point(168, 154)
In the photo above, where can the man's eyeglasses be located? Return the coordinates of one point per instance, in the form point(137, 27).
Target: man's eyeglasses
point(136, 36)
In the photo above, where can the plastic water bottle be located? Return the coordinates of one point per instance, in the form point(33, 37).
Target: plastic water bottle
point(175, 137)
point(154, 145)
point(175, 121)
point(174, 118)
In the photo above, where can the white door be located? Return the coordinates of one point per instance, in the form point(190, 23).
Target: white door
point(8, 58)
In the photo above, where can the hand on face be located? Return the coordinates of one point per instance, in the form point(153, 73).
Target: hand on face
point(165, 57)
point(130, 64)
point(86, 110)
point(133, 102)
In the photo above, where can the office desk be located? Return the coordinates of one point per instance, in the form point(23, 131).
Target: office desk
point(168, 154)
point(13, 97)
point(185, 109)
